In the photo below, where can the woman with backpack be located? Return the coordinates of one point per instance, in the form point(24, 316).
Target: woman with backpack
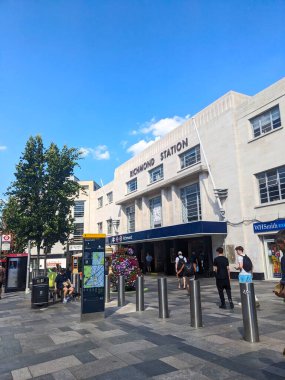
point(189, 271)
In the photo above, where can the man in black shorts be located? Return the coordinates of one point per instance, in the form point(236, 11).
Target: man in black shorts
point(222, 269)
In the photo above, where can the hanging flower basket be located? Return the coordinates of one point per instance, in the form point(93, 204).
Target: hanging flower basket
point(127, 265)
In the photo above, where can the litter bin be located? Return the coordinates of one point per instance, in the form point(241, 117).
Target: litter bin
point(40, 291)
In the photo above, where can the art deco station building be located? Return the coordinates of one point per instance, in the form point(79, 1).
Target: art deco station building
point(216, 180)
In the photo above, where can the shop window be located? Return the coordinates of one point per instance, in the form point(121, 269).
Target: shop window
point(272, 185)
point(156, 174)
point(190, 157)
point(100, 227)
point(109, 227)
point(266, 122)
point(78, 232)
point(78, 209)
point(100, 202)
point(132, 185)
point(110, 197)
point(130, 212)
point(191, 203)
point(155, 212)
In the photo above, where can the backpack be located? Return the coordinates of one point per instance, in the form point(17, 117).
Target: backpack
point(181, 262)
point(247, 264)
point(189, 269)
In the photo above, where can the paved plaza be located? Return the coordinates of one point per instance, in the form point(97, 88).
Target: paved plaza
point(51, 343)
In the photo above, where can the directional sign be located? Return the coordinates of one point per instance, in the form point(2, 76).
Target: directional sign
point(6, 238)
point(6, 246)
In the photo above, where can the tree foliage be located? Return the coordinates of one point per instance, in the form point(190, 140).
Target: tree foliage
point(42, 195)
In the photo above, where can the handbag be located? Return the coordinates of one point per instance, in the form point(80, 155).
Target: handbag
point(279, 290)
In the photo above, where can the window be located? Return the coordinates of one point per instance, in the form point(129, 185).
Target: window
point(85, 187)
point(272, 185)
point(155, 212)
point(78, 209)
point(190, 157)
point(266, 122)
point(156, 174)
point(109, 227)
point(100, 227)
point(191, 203)
point(130, 212)
point(110, 197)
point(78, 232)
point(132, 185)
point(100, 202)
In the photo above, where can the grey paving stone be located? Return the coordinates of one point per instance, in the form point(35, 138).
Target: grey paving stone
point(154, 368)
point(122, 374)
point(92, 369)
point(64, 374)
point(85, 357)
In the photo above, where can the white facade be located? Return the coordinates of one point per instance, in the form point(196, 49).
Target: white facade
point(242, 137)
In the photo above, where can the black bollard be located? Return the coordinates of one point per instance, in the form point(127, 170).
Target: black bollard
point(121, 290)
point(162, 298)
point(195, 304)
point(249, 315)
point(107, 288)
point(140, 293)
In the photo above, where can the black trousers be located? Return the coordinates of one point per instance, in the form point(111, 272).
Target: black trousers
point(221, 285)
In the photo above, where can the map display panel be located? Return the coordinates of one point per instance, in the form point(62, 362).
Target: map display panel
point(94, 273)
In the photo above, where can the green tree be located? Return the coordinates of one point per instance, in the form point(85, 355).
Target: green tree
point(42, 195)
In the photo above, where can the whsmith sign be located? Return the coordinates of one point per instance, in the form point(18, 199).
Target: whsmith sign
point(275, 225)
point(163, 155)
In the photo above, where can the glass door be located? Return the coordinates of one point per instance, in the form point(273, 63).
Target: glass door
point(273, 257)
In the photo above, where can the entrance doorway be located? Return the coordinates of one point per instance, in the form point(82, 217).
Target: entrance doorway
point(272, 258)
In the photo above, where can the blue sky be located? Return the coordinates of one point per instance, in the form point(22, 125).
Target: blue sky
point(111, 76)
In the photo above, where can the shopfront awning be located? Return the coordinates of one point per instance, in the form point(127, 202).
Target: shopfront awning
point(171, 232)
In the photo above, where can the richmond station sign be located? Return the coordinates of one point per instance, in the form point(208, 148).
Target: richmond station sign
point(163, 155)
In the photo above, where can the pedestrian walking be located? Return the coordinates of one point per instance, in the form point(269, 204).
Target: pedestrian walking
point(148, 260)
point(245, 266)
point(189, 271)
point(222, 270)
point(179, 269)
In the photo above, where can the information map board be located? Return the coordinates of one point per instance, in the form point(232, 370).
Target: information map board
point(93, 275)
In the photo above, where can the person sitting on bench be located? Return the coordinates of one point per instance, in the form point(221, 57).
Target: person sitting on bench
point(60, 279)
point(68, 290)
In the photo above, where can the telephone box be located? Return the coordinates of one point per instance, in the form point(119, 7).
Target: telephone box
point(93, 277)
point(16, 272)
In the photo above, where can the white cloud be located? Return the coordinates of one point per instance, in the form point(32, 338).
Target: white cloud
point(161, 127)
point(140, 146)
point(99, 153)
point(155, 130)
point(2, 147)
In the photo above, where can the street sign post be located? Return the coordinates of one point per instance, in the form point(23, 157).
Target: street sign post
point(93, 277)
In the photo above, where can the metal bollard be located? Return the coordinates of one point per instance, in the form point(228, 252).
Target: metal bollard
point(195, 304)
point(140, 293)
point(121, 291)
point(75, 279)
point(107, 288)
point(162, 297)
point(251, 333)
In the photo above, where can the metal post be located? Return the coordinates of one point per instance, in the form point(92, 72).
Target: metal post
point(140, 293)
point(27, 291)
point(251, 333)
point(162, 297)
point(195, 304)
point(121, 291)
point(107, 288)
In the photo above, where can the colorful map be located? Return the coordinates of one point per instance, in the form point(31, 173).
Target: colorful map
point(94, 274)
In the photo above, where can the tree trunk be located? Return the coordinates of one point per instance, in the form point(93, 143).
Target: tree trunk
point(38, 259)
point(45, 261)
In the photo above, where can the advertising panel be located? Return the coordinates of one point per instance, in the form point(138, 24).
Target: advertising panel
point(93, 276)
